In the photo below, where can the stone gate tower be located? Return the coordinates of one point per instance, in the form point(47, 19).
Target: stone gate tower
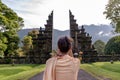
point(43, 43)
point(82, 41)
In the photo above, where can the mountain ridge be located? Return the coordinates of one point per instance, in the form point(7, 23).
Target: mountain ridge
point(98, 32)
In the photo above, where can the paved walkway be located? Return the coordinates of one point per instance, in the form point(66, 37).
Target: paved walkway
point(82, 75)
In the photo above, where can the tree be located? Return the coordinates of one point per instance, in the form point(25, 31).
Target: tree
point(20, 52)
point(99, 46)
point(10, 23)
point(3, 46)
point(112, 12)
point(113, 45)
point(9, 20)
point(34, 33)
point(27, 44)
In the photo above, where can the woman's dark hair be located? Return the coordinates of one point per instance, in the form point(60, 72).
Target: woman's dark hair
point(64, 44)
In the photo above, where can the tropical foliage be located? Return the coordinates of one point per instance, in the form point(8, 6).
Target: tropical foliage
point(113, 13)
point(99, 46)
point(113, 46)
point(10, 23)
point(27, 44)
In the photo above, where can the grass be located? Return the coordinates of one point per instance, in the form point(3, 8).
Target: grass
point(103, 70)
point(19, 72)
point(25, 71)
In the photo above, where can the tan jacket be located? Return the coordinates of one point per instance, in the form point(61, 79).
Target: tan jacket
point(61, 68)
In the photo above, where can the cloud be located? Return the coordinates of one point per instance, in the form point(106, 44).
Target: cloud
point(31, 4)
point(35, 12)
point(25, 12)
point(100, 33)
point(107, 34)
point(25, 6)
point(103, 33)
point(29, 10)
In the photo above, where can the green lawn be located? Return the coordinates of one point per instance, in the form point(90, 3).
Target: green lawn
point(19, 72)
point(25, 71)
point(103, 70)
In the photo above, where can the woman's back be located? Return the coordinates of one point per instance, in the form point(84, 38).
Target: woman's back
point(63, 66)
point(67, 68)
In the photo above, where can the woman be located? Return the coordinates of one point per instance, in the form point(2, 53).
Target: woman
point(62, 66)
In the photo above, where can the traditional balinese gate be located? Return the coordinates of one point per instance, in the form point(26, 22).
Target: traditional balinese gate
point(82, 41)
point(42, 45)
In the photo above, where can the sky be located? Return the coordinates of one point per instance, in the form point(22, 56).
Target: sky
point(35, 12)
